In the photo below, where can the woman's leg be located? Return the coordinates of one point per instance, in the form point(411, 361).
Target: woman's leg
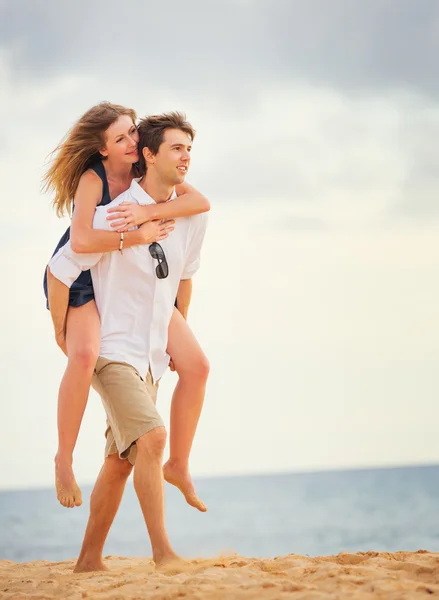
point(187, 401)
point(82, 343)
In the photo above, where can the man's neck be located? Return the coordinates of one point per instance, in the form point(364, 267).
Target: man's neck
point(157, 189)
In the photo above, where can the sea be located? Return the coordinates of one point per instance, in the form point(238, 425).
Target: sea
point(257, 516)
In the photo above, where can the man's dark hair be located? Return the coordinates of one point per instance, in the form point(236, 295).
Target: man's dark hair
point(152, 129)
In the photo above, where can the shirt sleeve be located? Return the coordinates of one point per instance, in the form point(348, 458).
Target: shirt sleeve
point(100, 220)
point(194, 249)
point(67, 265)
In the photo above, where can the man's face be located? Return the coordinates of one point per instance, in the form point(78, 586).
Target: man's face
point(173, 158)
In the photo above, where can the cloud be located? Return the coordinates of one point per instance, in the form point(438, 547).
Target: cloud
point(329, 105)
point(418, 137)
point(381, 44)
point(345, 160)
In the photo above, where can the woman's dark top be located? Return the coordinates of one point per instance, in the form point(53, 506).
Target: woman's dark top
point(81, 291)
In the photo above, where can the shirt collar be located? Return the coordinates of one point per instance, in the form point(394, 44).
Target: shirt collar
point(141, 196)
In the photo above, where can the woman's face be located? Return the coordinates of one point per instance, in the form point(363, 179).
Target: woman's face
point(122, 138)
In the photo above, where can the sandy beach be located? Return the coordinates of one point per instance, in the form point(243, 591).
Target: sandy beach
point(399, 576)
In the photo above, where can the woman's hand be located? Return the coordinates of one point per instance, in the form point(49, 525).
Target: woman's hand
point(156, 231)
point(127, 215)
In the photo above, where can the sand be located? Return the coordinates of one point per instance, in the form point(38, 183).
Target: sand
point(396, 576)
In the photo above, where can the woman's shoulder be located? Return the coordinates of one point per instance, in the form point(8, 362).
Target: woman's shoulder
point(91, 174)
point(89, 182)
point(95, 170)
point(98, 168)
point(91, 188)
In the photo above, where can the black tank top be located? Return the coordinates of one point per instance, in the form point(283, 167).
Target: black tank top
point(81, 291)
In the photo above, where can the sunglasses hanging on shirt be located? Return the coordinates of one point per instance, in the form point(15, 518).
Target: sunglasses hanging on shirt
point(157, 252)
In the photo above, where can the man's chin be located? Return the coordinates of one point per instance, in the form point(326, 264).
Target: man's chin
point(180, 178)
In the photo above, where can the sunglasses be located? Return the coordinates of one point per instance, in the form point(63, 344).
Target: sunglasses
point(157, 252)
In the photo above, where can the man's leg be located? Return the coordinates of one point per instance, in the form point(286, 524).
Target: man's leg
point(192, 367)
point(104, 503)
point(129, 402)
point(148, 483)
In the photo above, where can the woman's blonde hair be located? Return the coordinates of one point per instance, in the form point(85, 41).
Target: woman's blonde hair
point(80, 149)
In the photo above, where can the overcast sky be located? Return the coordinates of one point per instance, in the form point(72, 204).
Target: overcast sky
point(317, 127)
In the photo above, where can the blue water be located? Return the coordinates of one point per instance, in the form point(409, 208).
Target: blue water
point(258, 516)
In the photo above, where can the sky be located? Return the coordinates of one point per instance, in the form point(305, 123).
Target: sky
point(316, 303)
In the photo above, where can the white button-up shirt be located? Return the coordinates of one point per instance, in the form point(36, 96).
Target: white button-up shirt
point(134, 305)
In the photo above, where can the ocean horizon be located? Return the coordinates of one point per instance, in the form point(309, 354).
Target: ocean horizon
point(267, 515)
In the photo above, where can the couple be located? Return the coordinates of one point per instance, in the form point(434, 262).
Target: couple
point(138, 273)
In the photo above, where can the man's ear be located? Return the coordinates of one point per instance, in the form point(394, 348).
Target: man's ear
point(148, 156)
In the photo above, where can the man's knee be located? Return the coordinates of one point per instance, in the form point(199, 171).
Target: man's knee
point(118, 468)
point(152, 443)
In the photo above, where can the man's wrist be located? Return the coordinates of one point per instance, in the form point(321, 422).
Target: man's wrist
point(60, 332)
point(183, 310)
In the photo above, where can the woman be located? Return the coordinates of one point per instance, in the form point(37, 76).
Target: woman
point(94, 164)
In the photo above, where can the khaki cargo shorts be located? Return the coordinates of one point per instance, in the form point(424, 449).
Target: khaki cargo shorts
point(130, 404)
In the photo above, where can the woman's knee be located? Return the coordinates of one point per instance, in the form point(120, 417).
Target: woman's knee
point(153, 443)
point(202, 368)
point(83, 335)
point(198, 369)
point(84, 355)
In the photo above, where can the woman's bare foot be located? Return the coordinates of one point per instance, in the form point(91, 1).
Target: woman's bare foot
point(88, 565)
point(183, 481)
point(67, 490)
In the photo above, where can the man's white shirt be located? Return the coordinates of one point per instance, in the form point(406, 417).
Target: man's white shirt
point(135, 306)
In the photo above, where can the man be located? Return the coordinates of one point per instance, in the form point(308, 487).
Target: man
point(135, 289)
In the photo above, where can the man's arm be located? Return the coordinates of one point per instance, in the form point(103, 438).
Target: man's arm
point(64, 268)
point(58, 298)
point(184, 295)
point(194, 248)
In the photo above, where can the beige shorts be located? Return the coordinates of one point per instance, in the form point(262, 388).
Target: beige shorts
point(130, 404)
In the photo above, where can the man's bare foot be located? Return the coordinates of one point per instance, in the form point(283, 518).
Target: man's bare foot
point(67, 490)
point(85, 565)
point(183, 481)
point(169, 562)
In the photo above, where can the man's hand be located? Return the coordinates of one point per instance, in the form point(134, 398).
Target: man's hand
point(61, 341)
point(58, 296)
point(156, 231)
point(127, 215)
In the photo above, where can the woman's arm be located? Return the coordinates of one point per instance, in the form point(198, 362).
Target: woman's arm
point(85, 239)
point(188, 202)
